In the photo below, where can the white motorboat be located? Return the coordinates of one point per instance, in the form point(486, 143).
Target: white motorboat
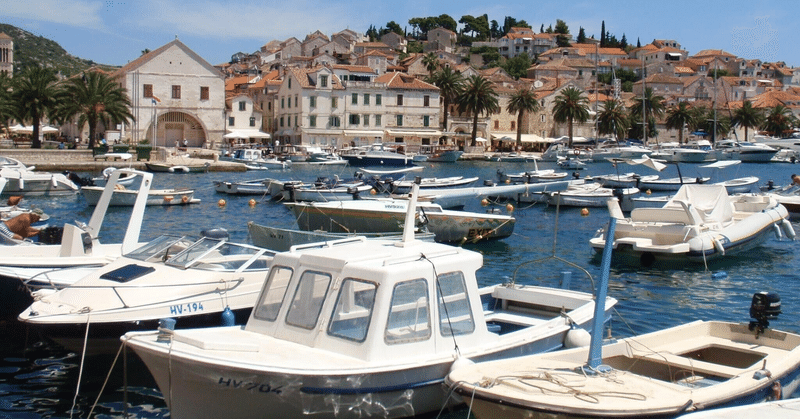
point(789, 197)
point(457, 197)
point(696, 366)
point(569, 163)
point(736, 185)
point(378, 154)
point(591, 195)
point(403, 186)
point(624, 180)
point(282, 239)
point(744, 151)
point(531, 176)
point(246, 187)
point(127, 197)
point(357, 328)
point(384, 215)
point(699, 223)
point(126, 180)
point(22, 180)
point(31, 267)
point(192, 281)
point(658, 184)
point(259, 159)
point(697, 152)
point(614, 150)
point(325, 189)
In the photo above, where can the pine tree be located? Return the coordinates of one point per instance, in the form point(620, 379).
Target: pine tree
point(603, 34)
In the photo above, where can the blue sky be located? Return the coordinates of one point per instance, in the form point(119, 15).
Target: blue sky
point(116, 31)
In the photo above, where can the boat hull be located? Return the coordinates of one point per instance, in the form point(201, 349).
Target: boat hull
point(662, 374)
point(171, 168)
point(50, 186)
point(364, 161)
point(155, 197)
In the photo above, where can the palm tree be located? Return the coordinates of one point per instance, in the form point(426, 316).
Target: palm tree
point(450, 84)
point(521, 101)
point(778, 120)
point(653, 106)
point(93, 97)
point(430, 62)
point(571, 107)
point(747, 116)
point(678, 117)
point(477, 97)
point(35, 97)
point(613, 119)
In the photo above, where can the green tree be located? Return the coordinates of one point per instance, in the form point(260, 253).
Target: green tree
point(392, 26)
point(603, 34)
point(748, 117)
point(450, 84)
point(678, 117)
point(94, 97)
point(477, 97)
point(34, 96)
point(581, 36)
point(517, 66)
point(613, 119)
point(570, 106)
point(778, 121)
point(652, 106)
point(562, 39)
point(431, 62)
point(521, 101)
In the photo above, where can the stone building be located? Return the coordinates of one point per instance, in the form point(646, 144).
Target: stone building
point(175, 95)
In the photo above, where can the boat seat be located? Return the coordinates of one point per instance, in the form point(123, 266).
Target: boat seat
point(661, 215)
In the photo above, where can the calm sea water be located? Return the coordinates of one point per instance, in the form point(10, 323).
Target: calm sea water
point(39, 379)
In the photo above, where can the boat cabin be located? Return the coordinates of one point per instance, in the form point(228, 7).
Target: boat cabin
point(376, 306)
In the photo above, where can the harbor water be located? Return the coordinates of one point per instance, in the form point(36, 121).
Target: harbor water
point(38, 379)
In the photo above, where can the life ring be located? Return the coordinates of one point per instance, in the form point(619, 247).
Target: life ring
point(576, 152)
point(185, 199)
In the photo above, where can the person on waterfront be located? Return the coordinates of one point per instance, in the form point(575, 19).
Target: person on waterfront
point(795, 180)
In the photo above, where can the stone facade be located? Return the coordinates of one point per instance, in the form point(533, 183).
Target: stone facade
point(175, 95)
point(6, 54)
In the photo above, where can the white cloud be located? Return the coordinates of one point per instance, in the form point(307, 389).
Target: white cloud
point(79, 13)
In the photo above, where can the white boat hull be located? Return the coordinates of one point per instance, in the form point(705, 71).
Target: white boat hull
point(156, 197)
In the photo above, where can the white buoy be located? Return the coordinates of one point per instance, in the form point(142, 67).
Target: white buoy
point(460, 362)
point(577, 338)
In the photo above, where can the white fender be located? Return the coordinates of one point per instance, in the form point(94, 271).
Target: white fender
point(718, 246)
point(777, 229)
point(787, 228)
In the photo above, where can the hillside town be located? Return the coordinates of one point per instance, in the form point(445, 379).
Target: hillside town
point(339, 90)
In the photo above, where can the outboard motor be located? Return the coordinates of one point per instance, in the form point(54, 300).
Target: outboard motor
point(766, 306)
point(354, 191)
point(488, 182)
point(80, 181)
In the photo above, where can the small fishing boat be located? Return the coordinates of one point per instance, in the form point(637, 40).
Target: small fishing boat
point(532, 176)
point(355, 328)
point(326, 189)
point(176, 168)
point(246, 187)
point(126, 180)
point(127, 197)
point(440, 154)
point(386, 215)
point(458, 197)
point(697, 366)
point(22, 180)
point(625, 180)
point(699, 223)
point(194, 281)
point(377, 154)
point(282, 239)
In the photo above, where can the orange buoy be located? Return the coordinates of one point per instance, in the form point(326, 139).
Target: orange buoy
point(484, 202)
point(648, 192)
point(252, 202)
point(221, 203)
point(584, 211)
point(509, 208)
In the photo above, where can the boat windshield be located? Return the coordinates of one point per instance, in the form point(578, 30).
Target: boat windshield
point(160, 248)
point(220, 255)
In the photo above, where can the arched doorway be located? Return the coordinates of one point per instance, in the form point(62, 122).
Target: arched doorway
point(174, 127)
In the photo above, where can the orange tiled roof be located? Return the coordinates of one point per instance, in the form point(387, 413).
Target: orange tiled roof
point(404, 81)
